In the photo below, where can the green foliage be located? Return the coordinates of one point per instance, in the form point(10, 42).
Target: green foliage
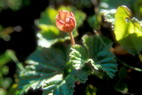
point(4, 59)
point(95, 21)
point(78, 56)
point(121, 86)
point(91, 90)
point(47, 70)
point(109, 15)
point(80, 62)
point(52, 70)
point(128, 30)
point(107, 9)
point(5, 81)
point(81, 3)
point(100, 54)
point(13, 4)
point(49, 33)
point(5, 32)
point(137, 8)
point(112, 4)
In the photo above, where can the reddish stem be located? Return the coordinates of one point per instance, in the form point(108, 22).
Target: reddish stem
point(72, 38)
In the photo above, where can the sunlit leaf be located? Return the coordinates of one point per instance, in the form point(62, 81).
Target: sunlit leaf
point(128, 30)
point(108, 8)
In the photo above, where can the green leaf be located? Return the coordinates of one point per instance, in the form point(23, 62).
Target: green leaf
point(47, 69)
point(5, 32)
point(109, 15)
point(80, 4)
point(91, 90)
point(78, 56)
point(121, 86)
point(95, 21)
point(82, 65)
point(49, 34)
point(128, 31)
point(108, 8)
point(12, 4)
point(111, 4)
point(98, 51)
point(94, 55)
point(4, 59)
point(48, 17)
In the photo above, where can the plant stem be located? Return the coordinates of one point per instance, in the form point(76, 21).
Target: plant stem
point(134, 68)
point(72, 38)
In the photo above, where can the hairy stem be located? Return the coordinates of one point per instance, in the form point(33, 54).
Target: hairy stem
point(72, 38)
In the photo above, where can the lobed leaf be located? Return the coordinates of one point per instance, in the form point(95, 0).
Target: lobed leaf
point(98, 50)
point(94, 55)
point(78, 56)
point(46, 71)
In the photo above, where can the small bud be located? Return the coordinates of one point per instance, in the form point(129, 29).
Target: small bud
point(65, 21)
